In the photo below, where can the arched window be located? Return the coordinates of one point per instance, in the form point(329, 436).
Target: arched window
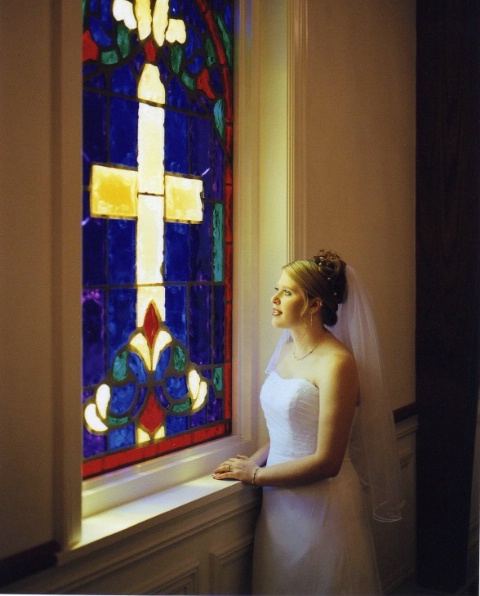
point(157, 227)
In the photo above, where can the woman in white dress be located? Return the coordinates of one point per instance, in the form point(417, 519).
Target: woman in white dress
point(330, 430)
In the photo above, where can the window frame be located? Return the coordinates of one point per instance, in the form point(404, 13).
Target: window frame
point(257, 54)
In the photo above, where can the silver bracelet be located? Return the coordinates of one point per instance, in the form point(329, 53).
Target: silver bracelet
point(254, 474)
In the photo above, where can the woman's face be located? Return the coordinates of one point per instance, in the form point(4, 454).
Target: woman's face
point(288, 303)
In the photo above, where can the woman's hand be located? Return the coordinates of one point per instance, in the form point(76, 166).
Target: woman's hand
point(240, 467)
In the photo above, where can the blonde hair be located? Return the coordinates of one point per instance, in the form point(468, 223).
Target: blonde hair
point(322, 277)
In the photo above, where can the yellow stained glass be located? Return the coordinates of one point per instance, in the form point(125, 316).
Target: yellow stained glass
point(160, 434)
point(92, 419)
point(147, 294)
point(149, 239)
point(160, 21)
point(150, 87)
point(176, 31)
point(151, 140)
point(144, 18)
point(122, 10)
point(183, 199)
point(142, 436)
point(113, 192)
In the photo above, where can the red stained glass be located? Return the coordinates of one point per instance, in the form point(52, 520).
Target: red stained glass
point(90, 48)
point(151, 324)
point(150, 51)
point(228, 214)
point(203, 83)
point(228, 330)
point(228, 271)
point(227, 374)
point(152, 416)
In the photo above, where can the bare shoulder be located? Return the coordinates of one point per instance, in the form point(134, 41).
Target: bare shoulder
point(336, 363)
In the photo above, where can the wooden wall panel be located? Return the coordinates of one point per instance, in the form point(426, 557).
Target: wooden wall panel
point(447, 323)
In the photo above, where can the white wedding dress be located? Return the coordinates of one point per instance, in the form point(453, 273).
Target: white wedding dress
point(313, 539)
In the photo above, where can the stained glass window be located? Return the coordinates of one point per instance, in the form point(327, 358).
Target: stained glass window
point(157, 227)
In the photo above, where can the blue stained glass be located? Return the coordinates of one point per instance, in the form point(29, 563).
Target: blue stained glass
point(94, 110)
point(121, 319)
point(228, 18)
point(217, 187)
point(215, 409)
point(177, 253)
point(201, 246)
point(175, 7)
point(93, 444)
point(193, 43)
point(124, 82)
point(219, 323)
point(98, 33)
point(196, 65)
point(121, 251)
point(94, 251)
point(198, 419)
point(137, 367)
point(176, 386)
point(94, 365)
point(161, 398)
point(122, 398)
point(176, 424)
point(96, 82)
point(200, 133)
point(193, 16)
point(216, 82)
point(175, 306)
point(85, 206)
point(176, 142)
point(86, 395)
point(162, 365)
point(123, 131)
point(177, 95)
point(121, 437)
point(200, 324)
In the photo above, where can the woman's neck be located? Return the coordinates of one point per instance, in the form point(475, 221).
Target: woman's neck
point(307, 339)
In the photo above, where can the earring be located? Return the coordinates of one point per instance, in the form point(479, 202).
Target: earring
point(311, 319)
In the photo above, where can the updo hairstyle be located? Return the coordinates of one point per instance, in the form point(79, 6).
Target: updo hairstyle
point(321, 277)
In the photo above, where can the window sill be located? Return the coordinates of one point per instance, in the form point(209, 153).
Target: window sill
point(128, 520)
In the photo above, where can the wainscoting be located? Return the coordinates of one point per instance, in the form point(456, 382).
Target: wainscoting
point(206, 546)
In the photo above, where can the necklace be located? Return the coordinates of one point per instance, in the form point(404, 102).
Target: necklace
point(298, 358)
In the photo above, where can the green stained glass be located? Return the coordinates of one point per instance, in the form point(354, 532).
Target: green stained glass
point(114, 421)
point(226, 39)
point(176, 58)
point(120, 366)
point(178, 408)
point(123, 40)
point(188, 81)
point(218, 114)
point(218, 378)
point(179, 359)
point(110, 57)
point(210, 53)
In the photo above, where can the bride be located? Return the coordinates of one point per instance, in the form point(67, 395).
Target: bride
point(330, 435)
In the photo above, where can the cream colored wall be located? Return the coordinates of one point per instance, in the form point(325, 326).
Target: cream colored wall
point(26, 421)
point(361, 173)
point(360, 185)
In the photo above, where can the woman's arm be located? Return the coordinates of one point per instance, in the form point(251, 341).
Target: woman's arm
point(338, 393)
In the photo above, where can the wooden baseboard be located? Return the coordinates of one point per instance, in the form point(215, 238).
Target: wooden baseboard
point(28, 562)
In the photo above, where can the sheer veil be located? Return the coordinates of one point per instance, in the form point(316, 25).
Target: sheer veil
point(373, 445)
